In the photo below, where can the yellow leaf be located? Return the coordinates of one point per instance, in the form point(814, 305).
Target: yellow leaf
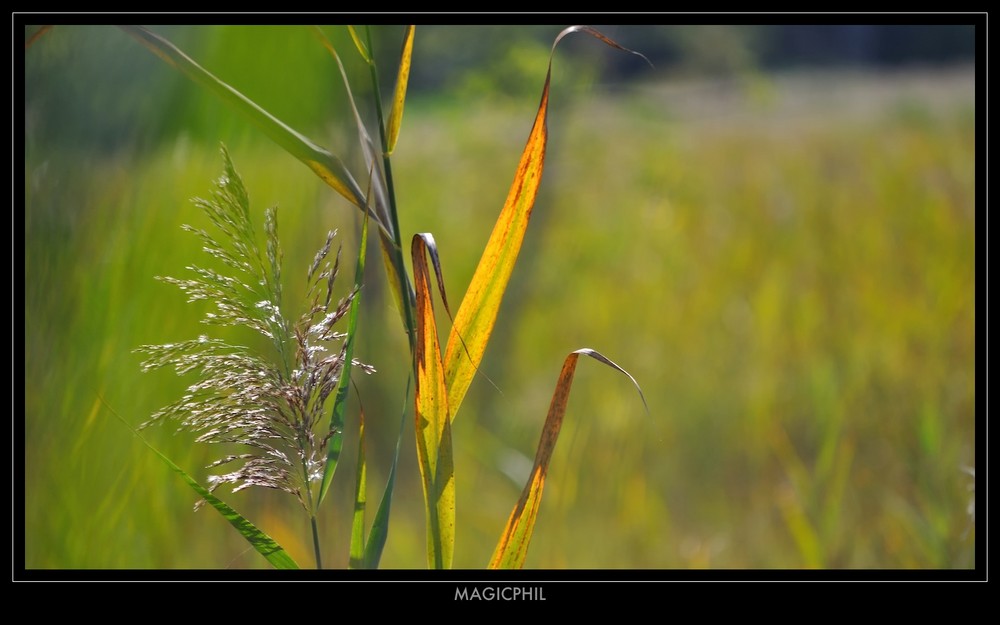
point(358, 44)
point(433, 425)
point(399, 97)
point(478, 312)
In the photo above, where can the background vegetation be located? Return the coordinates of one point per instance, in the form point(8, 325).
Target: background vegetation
point(783, 259)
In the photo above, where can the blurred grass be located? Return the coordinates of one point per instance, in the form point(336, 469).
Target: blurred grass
point(787, 267)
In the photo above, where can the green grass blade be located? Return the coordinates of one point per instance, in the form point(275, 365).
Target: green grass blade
point(399, 97)
point(385, 211)
point(380, 526)
point(372, 153)
point(433, 423)
point(357, 550)
point(512, 549)
point(405, 297)
point(326, 165)
point(260, 541)
point(340, 398)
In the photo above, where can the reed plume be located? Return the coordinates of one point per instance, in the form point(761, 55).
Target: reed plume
point(269, 404)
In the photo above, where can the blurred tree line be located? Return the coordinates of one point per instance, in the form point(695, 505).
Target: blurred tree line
point(93, 86)
point(706, 50)
point(721, 49)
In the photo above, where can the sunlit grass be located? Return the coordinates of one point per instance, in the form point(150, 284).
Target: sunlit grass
point(795, 292)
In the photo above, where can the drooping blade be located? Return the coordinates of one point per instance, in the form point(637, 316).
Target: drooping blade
point(512, 548)
point(264, 544)
point(326, 165)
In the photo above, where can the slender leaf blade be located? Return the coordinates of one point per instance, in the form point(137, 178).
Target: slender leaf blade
point(359, 44)
point(478, 311)
point(380, 526)
point(391, 250)
point(399, 97)
point(433, 424)
point(336, 442)
point(372, 154)
point(264, 544)
point(324, 164)
point(357, 549)
point(512, 549)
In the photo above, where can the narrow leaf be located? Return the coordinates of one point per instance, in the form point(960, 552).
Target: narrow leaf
point(371, 153)
point(402, 79)
point(391, 252)
point(357, 559)
point(513, 546)
point(359, 44)
point(433, 425)
point(478, 312)
point(35, 36)
point(260, 541)
point(326, 165)
point(380, 526)
point(340, 398)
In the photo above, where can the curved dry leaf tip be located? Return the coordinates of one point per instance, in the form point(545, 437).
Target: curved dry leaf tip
point(593, 32)
point(323, 39)
point(596, 355)
point(431, 245)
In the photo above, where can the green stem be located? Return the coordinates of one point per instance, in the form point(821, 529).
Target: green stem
point(312, 521)
point(391, 192)
point(315, 530)
point(310, 508)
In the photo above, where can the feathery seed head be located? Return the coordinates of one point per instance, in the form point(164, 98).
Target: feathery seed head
point(269, 404)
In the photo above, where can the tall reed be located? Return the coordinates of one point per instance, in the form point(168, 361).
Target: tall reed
point(274, 408)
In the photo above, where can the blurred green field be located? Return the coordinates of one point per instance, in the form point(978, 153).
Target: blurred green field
point(784, 263)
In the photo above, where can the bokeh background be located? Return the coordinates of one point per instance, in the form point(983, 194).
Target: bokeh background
point(772, 229)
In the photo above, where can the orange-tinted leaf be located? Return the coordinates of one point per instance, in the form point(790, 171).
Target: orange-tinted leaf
point(399, 97)
point(512, 549)
point(38, 33)
point(478, 312)
point(433, 425)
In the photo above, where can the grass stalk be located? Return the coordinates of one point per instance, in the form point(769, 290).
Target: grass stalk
point(405, 288)
point(315, 533)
